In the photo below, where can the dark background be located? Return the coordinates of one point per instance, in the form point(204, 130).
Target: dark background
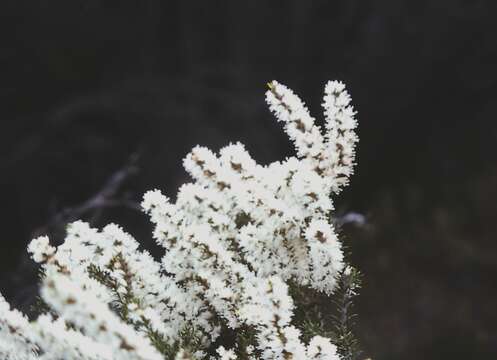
point(85, 84)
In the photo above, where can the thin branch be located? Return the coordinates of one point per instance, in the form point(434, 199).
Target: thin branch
point(106, 197)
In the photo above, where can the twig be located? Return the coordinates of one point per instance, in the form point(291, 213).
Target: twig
point(105, 198)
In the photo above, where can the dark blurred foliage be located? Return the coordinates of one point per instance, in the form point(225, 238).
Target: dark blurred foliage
point(85, 84)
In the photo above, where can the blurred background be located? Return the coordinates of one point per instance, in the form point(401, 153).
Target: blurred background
point(100, 101)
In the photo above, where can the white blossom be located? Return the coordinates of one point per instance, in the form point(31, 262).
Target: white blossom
point(341, 138)
point(16, 335)
point(233, 240)
point(40, 249)
point(321, 348)
point(226, 354)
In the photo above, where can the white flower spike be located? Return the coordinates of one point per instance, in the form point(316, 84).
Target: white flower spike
point(236, 240)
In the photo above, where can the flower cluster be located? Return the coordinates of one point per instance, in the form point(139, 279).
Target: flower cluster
point(235, 240)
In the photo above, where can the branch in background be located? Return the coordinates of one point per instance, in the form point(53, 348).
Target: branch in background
point(352, 217)
point(107, 197)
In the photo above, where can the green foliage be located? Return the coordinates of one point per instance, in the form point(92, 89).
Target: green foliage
point(317, 314)
point(190, 342)
point(343, 321)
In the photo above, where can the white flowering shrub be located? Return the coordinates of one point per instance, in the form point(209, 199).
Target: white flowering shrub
point(247, 251)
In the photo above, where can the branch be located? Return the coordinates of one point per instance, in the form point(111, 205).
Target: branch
point(106, 197)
